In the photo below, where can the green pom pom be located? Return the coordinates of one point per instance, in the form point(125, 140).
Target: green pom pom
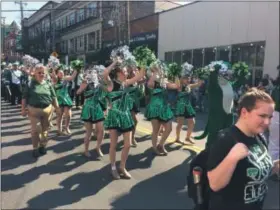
point(77, 64)
point(202, 73)
point(174, 70)
point(144, 56)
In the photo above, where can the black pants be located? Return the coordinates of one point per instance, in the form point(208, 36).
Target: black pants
point(8, 93)
point(16, 93)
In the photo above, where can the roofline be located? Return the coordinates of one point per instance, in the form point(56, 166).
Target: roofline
point(41, 8)
point(153, 14)
point(184, 5)
point(60, 4)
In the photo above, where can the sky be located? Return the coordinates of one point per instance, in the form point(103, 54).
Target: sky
point(11, 16)
point(10, 5)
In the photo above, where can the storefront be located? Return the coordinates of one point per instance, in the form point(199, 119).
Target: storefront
point(229, 31)
point(143, 32)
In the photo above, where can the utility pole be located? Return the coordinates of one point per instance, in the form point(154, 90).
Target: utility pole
point(21, 9)
point(118, 22)
point(115, 20)
point(128, 22)
point(3, 36)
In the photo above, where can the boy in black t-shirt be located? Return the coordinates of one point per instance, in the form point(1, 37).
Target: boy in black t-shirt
point(239, 163)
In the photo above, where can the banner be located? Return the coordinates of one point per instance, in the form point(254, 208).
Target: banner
point(142, 37)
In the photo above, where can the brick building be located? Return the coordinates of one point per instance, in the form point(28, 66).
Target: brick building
point(11, 45)
point(81, 29)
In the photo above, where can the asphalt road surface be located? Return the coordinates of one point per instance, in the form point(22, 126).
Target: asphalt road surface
point(64, 179)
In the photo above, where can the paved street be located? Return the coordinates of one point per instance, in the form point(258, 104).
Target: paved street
point(64, 179)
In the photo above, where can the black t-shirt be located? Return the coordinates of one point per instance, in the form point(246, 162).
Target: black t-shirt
point(247, 187)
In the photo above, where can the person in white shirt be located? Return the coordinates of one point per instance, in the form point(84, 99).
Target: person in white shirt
point(15, 84)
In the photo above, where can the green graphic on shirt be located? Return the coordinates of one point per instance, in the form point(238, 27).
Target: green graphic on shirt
point(256, 188)
point(252, 172)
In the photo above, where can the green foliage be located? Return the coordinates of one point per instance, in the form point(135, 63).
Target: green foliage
point(144, 56)
point(174, 70)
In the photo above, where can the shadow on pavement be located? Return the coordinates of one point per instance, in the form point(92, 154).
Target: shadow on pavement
point(73, 189)
point(12, 120)
point(18, 159)
point(61, 165)
point(18, 142)
point(162, 191)
point(10, 127)
point(25, 157)
point(82, 185)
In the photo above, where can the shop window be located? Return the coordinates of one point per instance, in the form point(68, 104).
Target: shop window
point(71, 19)
point(92, 9)
point(168, 57)
point(47, 25)
point(223, 53)
point(260, 47)
point(64, 22)
point(235, 53)
point(209, 55)
point(58, 24)
point(197, 58)
point(80, 15)
point(72, 45)
point(187, 56)
point(248, 53)
point(177, 57)
point(85, 45)
point(98, 39)
point(91, 41)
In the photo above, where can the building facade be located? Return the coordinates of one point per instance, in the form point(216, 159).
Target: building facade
point(143, 31)
point(78, 30)
point(5, 30)
point(231, 31)
point(38, 36)
point(12, 48)
point(143, 24)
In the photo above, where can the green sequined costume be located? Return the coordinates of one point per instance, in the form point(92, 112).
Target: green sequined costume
point(92, 109)
point(103, 99)
point(183, 107)
point(135, 94)
point(158, 108)
point(119, 116)
point(63, 97)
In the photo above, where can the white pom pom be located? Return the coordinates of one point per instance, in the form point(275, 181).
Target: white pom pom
point(186, 69)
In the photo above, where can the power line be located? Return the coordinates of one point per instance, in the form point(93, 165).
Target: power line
point(21, 7)
point(69, 9)
point(77, 8)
